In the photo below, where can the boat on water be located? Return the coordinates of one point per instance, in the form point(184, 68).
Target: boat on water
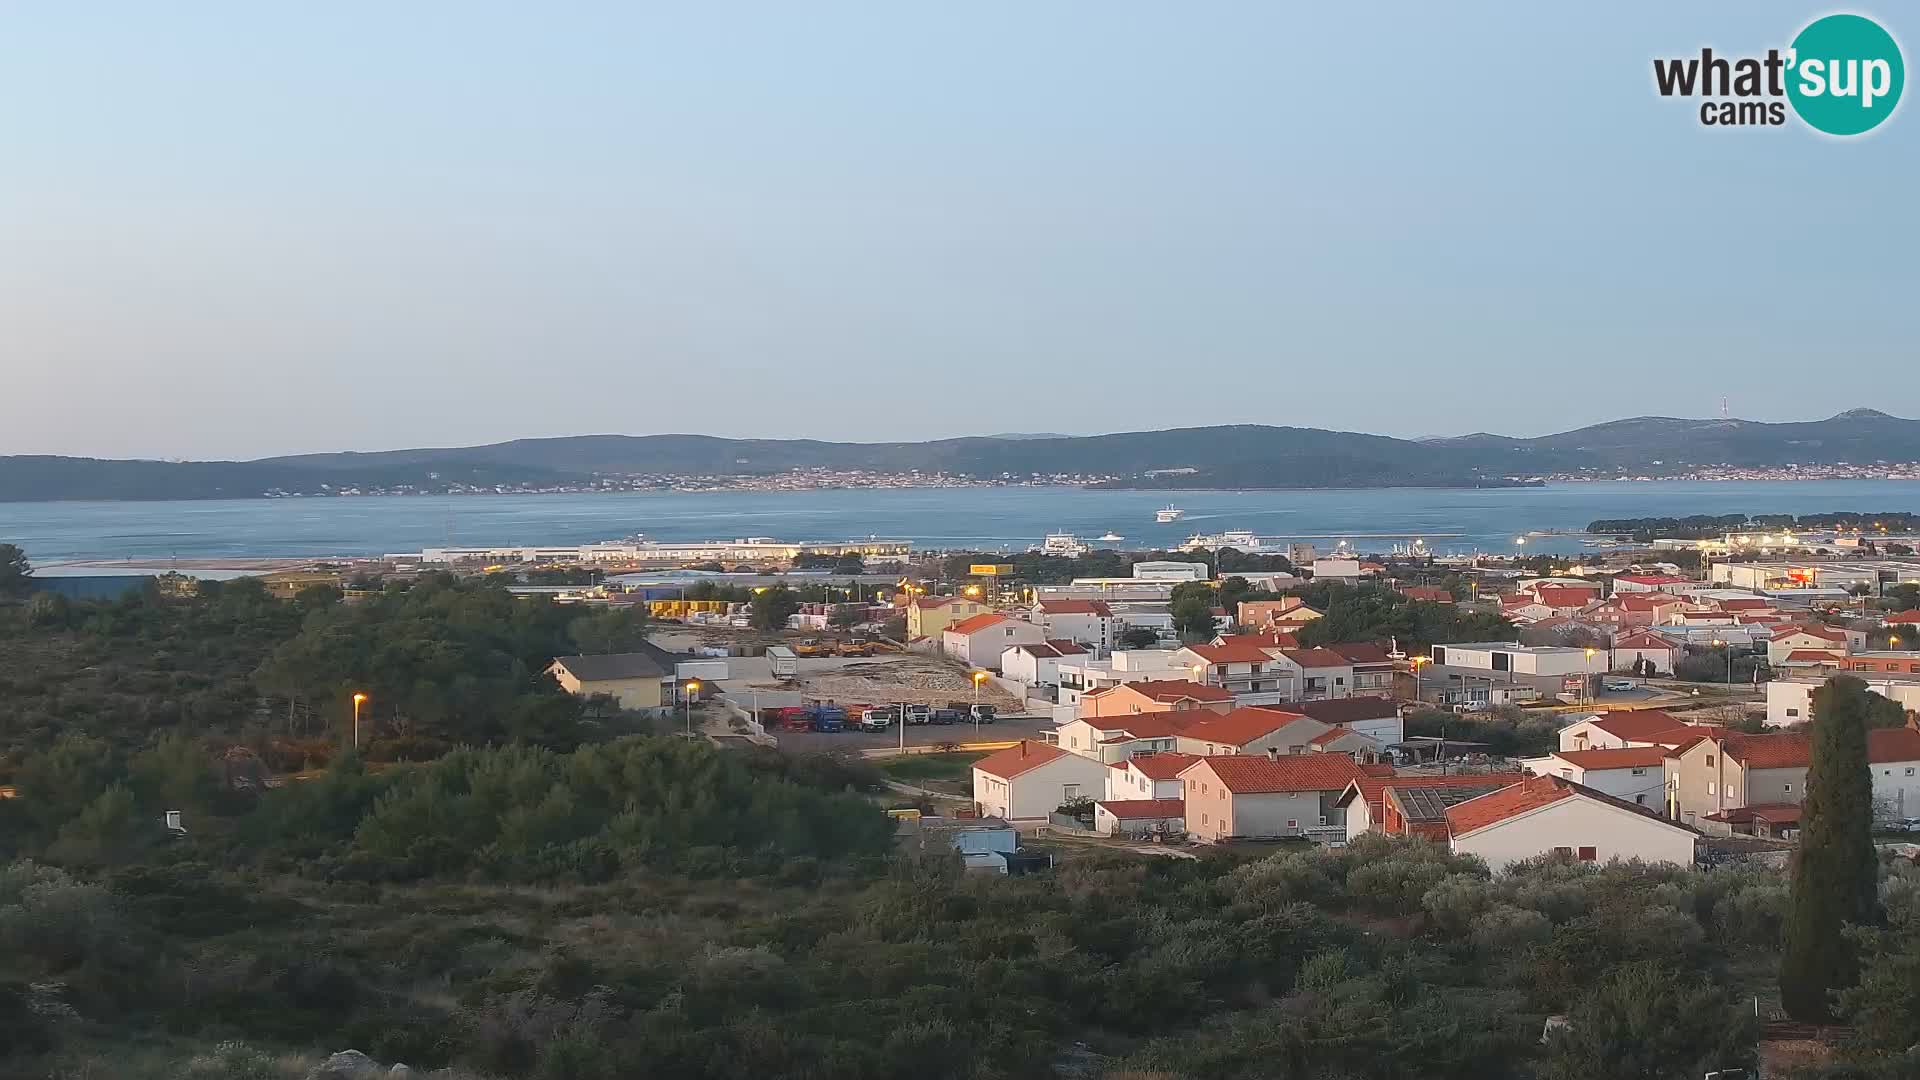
point(1238, 539)
point(1112, 536)
point(1062, 543)
point(1171, 513)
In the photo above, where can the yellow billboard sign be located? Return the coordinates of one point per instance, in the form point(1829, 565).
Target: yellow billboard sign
point(985, 569)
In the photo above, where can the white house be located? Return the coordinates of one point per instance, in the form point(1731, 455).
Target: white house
point(1551, 814)
point(1079, 676)
point(1790, 700)
point(1139, 817)
point(1089, 622)
point(1635, 774)
point(1038, 665)
point(1630, 650)
point(980, 640)
point(1251, 731)
point(1147, 776)
point(1788, 639)
point(1521, 659)
point(1377, 718)
point(1029, 780)
point(1628, 727)
point(1255, 795)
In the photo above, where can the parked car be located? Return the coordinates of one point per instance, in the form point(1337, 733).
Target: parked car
point(1617, 685)
point(1911, 824)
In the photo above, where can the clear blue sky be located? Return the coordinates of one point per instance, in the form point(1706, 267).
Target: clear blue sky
point(230, 230)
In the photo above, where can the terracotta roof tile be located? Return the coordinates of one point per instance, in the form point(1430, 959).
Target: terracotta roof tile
point(1014, 760)
point(1232, 653)
point(1242, 726)
point(1633, 757)
point(1136, 809)
point(1160, 766)
point(1361, 652)
point(1165, 690)
point(976, 623)
point(1258, 774)
point(1076, 607)
point(1316, 658)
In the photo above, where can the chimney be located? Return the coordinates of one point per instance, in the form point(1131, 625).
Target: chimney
point(1273, 753)
point(1023, 748)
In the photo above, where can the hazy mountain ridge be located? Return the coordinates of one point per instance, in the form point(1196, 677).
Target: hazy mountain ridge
point(1229, 456)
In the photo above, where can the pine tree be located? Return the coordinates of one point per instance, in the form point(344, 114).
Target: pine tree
point(1835, 870)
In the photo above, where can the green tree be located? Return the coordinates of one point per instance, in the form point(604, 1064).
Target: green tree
point(1647, 1022)
point(1835, 870)
point(614, 630)
point(773, 606)
point(176, 773)
point(108, 831)
point(16, 573)
point(1193, 618)
point(1138, 637)
point(844, 615)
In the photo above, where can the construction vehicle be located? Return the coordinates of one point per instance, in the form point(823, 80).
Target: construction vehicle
point(856, 647)
point(812, 647)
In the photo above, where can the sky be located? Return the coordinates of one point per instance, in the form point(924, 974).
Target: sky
point(231, 230)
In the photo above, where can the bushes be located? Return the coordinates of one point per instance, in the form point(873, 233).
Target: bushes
point(1648, 1020)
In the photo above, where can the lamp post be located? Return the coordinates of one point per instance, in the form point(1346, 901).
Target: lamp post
point(1418, 662)
point(978, 678)
point(359, 699)
point(1589, 675)
point(692, 689)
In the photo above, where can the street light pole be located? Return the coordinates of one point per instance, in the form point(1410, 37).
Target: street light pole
point(358, 700)
point(692, 688)
point(978, 678)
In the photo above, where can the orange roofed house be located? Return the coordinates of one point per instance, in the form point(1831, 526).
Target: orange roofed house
point(1133, 718)
point(1257, 795)
point(1029, 780)
point(1551, 814)
point(980, 640)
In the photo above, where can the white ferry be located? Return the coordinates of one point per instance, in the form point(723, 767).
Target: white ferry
point(1171, 513)
point(1065, 544)
point(1238, 539)
point(1112, 537)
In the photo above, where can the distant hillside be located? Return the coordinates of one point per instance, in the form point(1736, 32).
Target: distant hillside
point(1235, 456)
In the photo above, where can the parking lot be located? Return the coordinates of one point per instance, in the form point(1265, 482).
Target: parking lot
point(1004, 729)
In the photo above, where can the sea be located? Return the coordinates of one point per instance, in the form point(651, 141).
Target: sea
point(1450, 520)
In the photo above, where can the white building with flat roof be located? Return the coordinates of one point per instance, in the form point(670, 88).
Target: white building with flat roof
point(1522, 659)
point(1790, 700)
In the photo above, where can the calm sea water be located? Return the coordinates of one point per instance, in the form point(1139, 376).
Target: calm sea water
point(986, 518)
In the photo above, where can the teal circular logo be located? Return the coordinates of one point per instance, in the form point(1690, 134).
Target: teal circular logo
point(1846, 74)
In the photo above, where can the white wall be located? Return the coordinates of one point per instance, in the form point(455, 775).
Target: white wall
point(1128, 784)
point(1359, 817)
point(1596, 738)
point(1647, 789)
point(1896, 789)
point(1267, 815)
point(1575, 823)
point(1038, 792)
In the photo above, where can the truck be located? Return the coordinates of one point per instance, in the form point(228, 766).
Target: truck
point(856, 647)
point(876, 719)
point(785, 664)
point(945, 716)
point(828, 717)
point(919, 714)
point(792, 718)
point(969, 711)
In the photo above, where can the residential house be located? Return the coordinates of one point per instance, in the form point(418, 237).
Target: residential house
point(1553, 815)
point(1154, 695)
point(1636, 648)
point(1896, 620)
point(1038, 664)
point(1636, 774)
point(1362, 801)
point(1320, 673)
point(1372, 668)
point(1258, 795)
point(1431, 594)
point(635, 680)
point(1790, 698)
point(1346, 741)
point(1089, 622)
point(1627, 728)
point(1029, 780)
point(1085, 674)
point(979, 641)
point(1646, 583)
point(928, 616)
point(1254, 672)
point(1139, 817)
point(1411, 807)
point(1716, 774)
point(1377, 718)
point(1810, 662)
point(1789, 638)
point(1112, 739)
point(1524, 609)
point(1287, 613)
point(1147, 776)
point(1252, 731)
point(1625, 611)
point(1883, 662)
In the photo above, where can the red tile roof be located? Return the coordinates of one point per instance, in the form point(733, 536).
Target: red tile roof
point(1633, 757)
point(1014, 760)
point(1234, 652)
point(1827, 632)
point(1527, 795)
point(1347, 710)
point(1165, 690)
point(1077, 607)
point(1794, 749)
point(1643, 639)
point(1361, 652)
point(1904, 617)
point(1814, 656)
point(1893, 744)
point(1149, 725)
point(1136, 809)
point(1242, 726)
point(1637, 725)
point(925, 602)
point(1316, 658)
point(1258, 774)
point(1272, 639)
point(976, 623)
point(1566, 596)
point(1372, 785)
point(1161, 766)
point(1377, 769)
point(1052, 649)
point(1332, 735)
point(1432, 594)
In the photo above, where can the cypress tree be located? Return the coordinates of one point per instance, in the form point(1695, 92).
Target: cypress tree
point(1835, 871)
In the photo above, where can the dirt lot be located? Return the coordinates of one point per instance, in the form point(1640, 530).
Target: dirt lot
point(886, 679)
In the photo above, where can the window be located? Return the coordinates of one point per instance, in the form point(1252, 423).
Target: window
point(1793, 712)
point(1563, 851)
point(1786, 787)
point(1323, 819)
point(1203, 819)
point(1909, 771)
point(1709, 761)
point(1293, 823)
point(1639, 772)
point(1710, 789)
point(1640, 800)
point(1588, 854)
point(1070, 791)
